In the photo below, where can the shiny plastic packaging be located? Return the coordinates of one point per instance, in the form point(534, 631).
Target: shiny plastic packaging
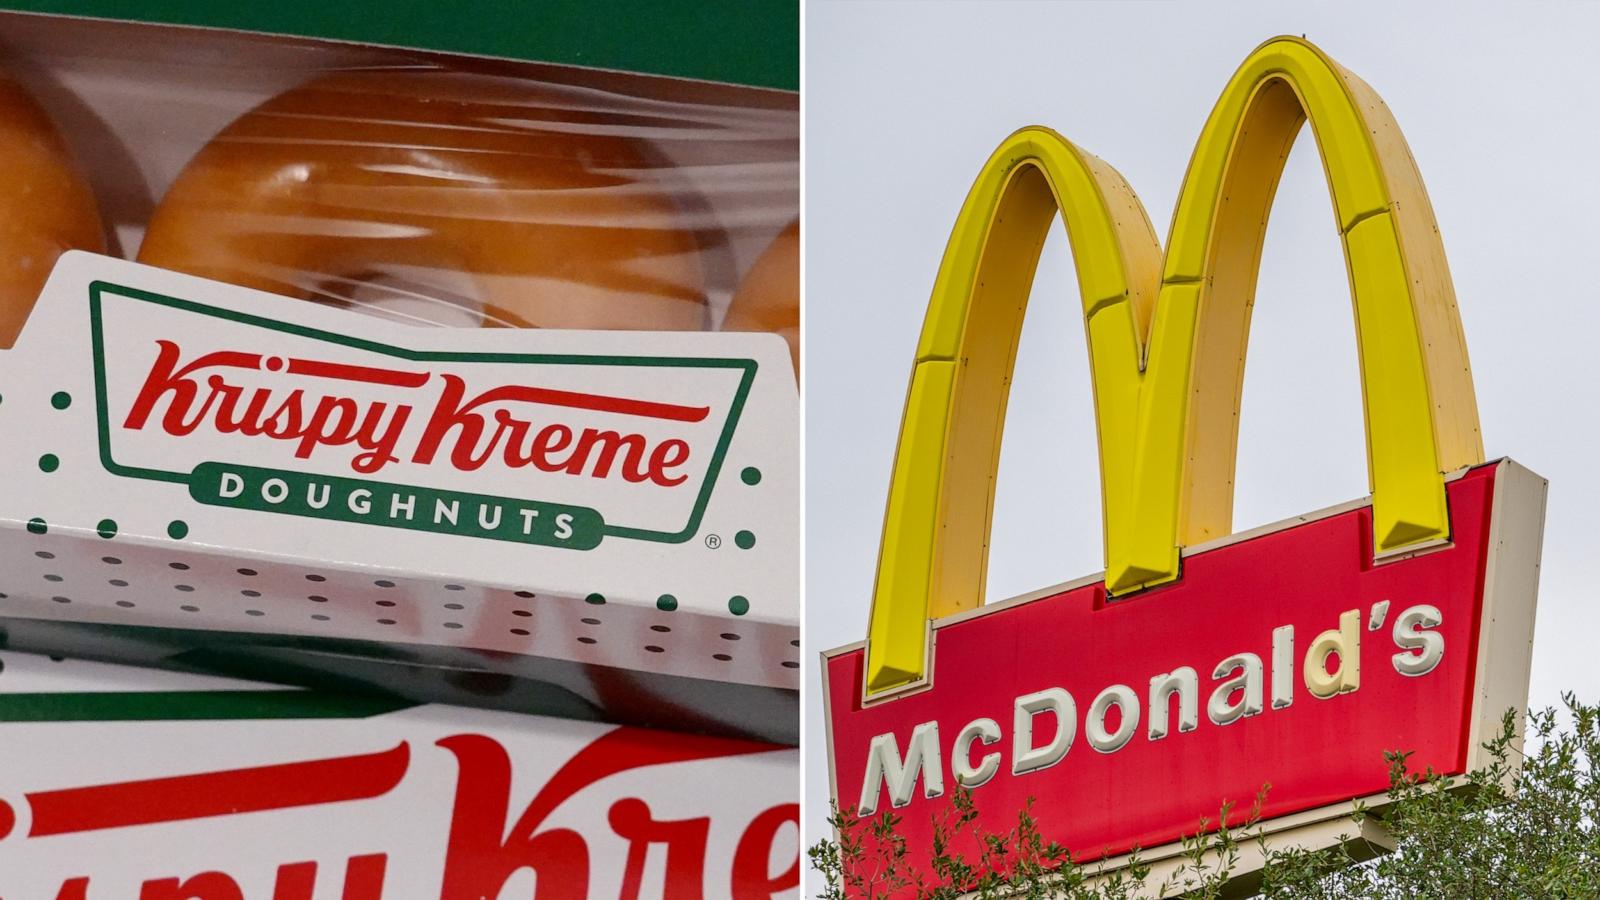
point(45, 205)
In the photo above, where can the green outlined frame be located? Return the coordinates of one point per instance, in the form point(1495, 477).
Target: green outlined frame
point(99, 289)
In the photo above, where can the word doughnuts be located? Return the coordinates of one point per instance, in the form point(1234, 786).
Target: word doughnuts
point(393, 182)
point(46, 207)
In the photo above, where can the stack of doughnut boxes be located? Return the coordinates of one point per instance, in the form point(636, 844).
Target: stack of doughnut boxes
point(401, 473)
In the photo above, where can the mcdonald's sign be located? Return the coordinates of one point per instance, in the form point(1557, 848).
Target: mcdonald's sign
point(1202, 665)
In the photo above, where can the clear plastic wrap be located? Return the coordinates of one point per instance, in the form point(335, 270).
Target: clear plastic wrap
point(46, 206)
point(436, 190)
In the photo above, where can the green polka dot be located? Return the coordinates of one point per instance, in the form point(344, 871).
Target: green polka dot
point(61, 399)
point(107, 528)
point(177, 529)
point(49, 462)
point(37, 526)
point(666, 603)
point(738, 605)
point(745, 539)
point(750, 475)
point(596, 599)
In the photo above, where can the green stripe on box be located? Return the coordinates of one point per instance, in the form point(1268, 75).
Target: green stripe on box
point(746, 42)
point(189, 706)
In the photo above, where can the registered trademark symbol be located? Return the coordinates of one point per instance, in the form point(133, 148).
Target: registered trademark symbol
point(713, 541)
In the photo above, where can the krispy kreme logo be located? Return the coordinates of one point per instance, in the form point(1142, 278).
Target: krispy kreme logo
point(489, 839)
point(465, 429)
point(559, 450)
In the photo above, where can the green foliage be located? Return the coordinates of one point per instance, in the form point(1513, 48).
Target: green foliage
point(869, 860)
point(1526, 825)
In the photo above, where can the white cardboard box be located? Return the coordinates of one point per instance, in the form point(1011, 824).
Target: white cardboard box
point(601, 523)
point(123, 783)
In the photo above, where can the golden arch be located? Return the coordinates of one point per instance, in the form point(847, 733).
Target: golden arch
point(1167, 338)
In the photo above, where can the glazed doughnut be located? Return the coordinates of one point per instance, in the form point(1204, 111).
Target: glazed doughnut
point(416, 177)
point(46, 207)
point(769, 297)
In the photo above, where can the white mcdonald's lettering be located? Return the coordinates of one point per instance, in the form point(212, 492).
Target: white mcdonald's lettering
point(988, 732)
point(884, 764)
point(1025, 756)
point(1331, 666)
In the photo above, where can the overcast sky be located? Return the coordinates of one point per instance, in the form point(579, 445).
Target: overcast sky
point(904, 101)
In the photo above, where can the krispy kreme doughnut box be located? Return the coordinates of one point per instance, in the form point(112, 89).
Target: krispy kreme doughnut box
point(459, 379)
point(118, 782)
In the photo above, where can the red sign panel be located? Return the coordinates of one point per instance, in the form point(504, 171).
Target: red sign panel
point(1287, 658)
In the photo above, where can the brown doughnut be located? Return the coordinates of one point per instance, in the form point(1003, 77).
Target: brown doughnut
point(548, 208)
point(769, 297)
point(46, 207)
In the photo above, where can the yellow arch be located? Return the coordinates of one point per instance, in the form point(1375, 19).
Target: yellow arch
point(1167, 340)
